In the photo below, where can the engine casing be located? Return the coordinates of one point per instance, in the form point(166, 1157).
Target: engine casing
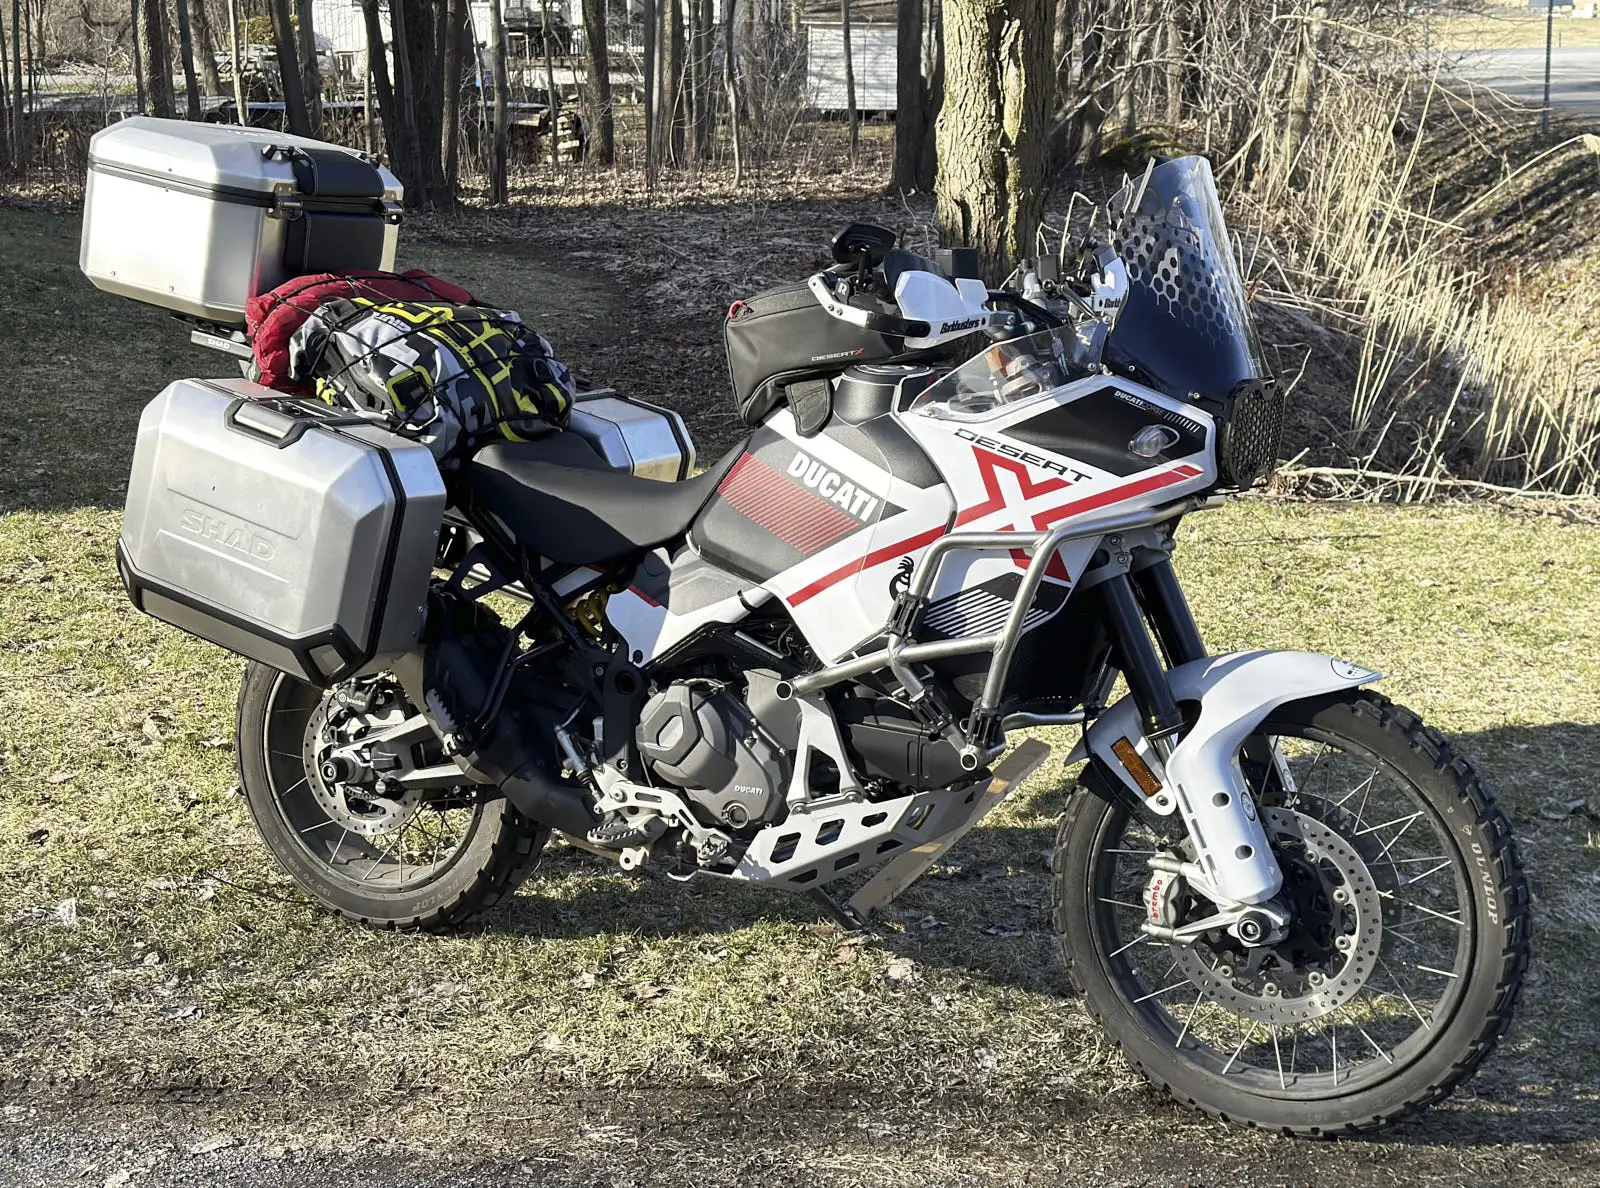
point(702, 738)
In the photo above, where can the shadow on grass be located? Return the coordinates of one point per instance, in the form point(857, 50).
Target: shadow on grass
point(982, 915)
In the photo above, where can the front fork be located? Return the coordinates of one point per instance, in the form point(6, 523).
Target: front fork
point(1235, 858)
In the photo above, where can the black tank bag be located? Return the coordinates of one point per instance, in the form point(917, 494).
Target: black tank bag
point(783, 346)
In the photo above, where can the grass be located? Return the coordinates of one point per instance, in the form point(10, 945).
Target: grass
point(149, 950)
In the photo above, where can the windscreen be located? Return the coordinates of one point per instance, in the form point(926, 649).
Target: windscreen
point(1015, 370)
point(1186, 328)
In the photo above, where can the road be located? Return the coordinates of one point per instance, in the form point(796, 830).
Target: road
point(1574, 76)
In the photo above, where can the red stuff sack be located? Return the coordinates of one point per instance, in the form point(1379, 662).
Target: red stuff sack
point(272, 318)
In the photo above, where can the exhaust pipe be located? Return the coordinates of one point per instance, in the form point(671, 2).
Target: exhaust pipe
point(549, 801)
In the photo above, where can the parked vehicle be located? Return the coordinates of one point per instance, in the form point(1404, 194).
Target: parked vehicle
point(952, 520)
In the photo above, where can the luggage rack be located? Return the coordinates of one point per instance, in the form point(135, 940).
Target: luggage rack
point(216, 337)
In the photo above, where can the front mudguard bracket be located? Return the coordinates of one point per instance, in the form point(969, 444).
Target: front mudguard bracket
point(1235, 693)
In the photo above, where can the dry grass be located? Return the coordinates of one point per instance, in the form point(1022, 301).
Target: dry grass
point(700, 1032)
point(1461, 368)
point(1509, 28)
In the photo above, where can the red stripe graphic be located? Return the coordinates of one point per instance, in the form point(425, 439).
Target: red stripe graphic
point(802, 520)
point(861, 564)
point(1045, 519)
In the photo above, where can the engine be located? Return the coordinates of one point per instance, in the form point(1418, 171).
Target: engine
point(702, 738)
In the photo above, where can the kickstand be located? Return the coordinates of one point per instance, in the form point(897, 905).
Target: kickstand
point(847, 917)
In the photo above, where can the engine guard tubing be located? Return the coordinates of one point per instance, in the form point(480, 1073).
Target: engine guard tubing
point(549, 801)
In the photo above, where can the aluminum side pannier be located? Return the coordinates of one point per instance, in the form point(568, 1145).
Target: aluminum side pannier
point(281, 530)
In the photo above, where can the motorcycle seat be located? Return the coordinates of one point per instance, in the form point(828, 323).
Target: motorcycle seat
point(570, 509)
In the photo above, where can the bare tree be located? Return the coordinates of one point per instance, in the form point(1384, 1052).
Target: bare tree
point(206, 47)
point(850, 81)
point(240, 106)
point(157, 61)
point(1302, 86)
point(597, 64)
point(310, 68)
point(994, 127)
point(19, 129)
point(730, 79)
point(651, 24)
point(138, 62)
point(191, 85)
point(551, 95)
point(401, 155)
point(704, 94)
point(7, 126)
point(419, 99)
point(673, 100)
point(497, 51)
point(455, 33)
point(912, 169)
point(294, 98)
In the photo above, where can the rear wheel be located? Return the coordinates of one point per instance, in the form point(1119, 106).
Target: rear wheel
point(1397, 974)
point(378, 854)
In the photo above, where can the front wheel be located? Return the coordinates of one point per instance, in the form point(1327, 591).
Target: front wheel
point(378, 853)
point(1399, 970)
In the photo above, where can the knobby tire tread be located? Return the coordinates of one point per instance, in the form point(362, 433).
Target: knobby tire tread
point(1511, 885)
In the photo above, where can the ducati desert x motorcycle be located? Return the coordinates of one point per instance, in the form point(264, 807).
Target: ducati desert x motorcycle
point(1291, 903)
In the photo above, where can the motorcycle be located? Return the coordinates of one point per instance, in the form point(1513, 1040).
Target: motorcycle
point(952, 521)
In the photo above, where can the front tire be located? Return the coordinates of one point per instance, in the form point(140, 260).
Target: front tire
point(1396, 988)
point(432, 869)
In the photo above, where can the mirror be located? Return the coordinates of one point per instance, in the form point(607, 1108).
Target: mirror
point(863, 241)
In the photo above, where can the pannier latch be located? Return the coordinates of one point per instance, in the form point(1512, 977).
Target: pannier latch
point(286, 206)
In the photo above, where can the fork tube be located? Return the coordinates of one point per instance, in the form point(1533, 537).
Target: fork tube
point(1169, 612)
point(1140, 662)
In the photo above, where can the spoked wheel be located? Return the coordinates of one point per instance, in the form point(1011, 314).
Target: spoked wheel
point(1399, 968)
point(353, 836)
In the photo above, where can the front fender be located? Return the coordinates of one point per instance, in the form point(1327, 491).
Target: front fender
point(1235, 692)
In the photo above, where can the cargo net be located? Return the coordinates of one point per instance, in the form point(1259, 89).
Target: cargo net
point(452, 374)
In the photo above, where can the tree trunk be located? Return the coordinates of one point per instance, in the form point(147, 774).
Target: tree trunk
point(498, 189)
point(455, 22)
point(1177, 56)
point(994, 127)
point(730, 80)
point(705, 89)
point(933, 102)
point(650, 26)
point(241, 108)
point(378, 70)
point(1302, 89)
point(19, 128)
point(157, 63)
point(205, 48)
point(419, 99)
point(673, 99)
point(6, 128)
point(191, 85)
point(310, 68)
point(852, 114)
point(138, 57)
point(597, 64)
point(552, 96)
point(911, 94)
point(294, 97)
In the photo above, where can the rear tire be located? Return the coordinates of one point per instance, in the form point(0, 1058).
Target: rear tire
point(1461, 1011)
point(494, 846)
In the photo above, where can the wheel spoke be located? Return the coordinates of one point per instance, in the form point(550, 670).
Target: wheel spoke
point(1178, 1043)
point(1384, 965)
point(1239, 1049)
point(1122, 903)
point(1277, 1054)
point(1163, 990)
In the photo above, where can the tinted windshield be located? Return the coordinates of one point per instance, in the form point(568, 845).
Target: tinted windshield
point(1016, 370)
point(1186, 326)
